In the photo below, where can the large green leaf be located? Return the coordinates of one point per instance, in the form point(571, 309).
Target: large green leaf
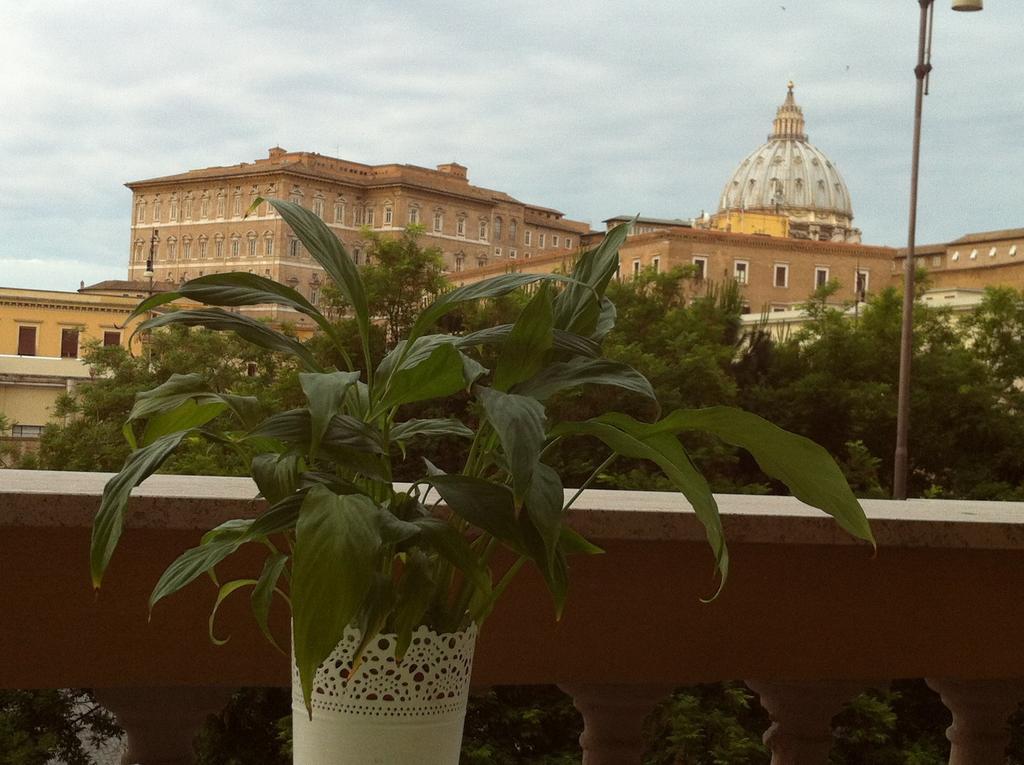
point(190, 565)
point(443, 538)
point(405, 431)
point(171, 393)
point(522, 354)
point(151, 303)
point(276, 475)
point(337, 547)
point(109, 521)
point(263, 593)
point(415, 590)
point(325, 392)
point(327, 250)
point(638, 441)
point(488, 288)
point(563, 375)
point(250, 330)
point(185, 416)
point(578, 307)
point(294, 427)
point(561, 340)
point(544, 500)
point(519, 423)
point(439, 375)
point(486, 505)
point(803, 466)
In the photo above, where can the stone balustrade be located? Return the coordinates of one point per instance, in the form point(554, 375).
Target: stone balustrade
point(808, 618)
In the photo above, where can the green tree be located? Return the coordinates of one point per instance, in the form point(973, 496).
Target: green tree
point(37, 727)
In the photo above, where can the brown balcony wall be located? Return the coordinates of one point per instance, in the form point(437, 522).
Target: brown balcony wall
point(808, 617)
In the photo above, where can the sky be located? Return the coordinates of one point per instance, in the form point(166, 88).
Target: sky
point(595, 108)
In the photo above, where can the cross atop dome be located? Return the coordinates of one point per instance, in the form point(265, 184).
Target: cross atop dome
point(789, 120)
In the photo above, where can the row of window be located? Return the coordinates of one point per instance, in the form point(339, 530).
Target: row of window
point(780, 272)
point(362, 215)
point(993, 251)
point(28, 340)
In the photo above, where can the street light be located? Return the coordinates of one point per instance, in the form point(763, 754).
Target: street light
point(921, 72)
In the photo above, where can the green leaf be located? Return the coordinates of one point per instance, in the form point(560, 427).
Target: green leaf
point(578, 308)
point(294, 427)
point(185, 416)
point(190, 565)
point(280, 516)
point(151, 303)
point(109, 521)
point(276, 475)
point(439, 375)
point(222, 594)
point(803, 466)
point(406, 431)
point(176, 390)
point(415, 590)
point(453, 547)
point(519, 423)
point(572, 542)
point(337, 546)
point(248, 329)
point(263, 594)
point(561, 340)
point(563, 375)
point(605, 319)
point(638, 440)
point(488, 288)
point(522, 354)
point(325, 392)
point(327, 250)
point(486, 505)
point(544, 500)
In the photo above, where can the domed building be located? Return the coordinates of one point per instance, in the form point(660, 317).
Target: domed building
point(790, 179)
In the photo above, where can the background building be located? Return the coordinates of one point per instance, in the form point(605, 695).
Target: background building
point(974, 261)
point(42, 333)
point(192, 223)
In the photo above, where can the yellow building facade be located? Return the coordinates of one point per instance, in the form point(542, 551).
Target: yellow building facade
point(42, 336)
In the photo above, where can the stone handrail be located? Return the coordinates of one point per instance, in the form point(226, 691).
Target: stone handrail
point(808, 616)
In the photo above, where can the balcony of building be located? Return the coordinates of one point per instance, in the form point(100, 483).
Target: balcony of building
point(808, 618)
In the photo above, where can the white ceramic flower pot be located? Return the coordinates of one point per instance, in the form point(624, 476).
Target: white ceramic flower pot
point(387, 713)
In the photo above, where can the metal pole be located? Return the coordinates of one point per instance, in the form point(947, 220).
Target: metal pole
point(899, 484)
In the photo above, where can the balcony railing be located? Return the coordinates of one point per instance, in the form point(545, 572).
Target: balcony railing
point(808, 618)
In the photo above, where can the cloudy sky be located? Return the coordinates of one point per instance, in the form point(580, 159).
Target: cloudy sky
point(596, 108)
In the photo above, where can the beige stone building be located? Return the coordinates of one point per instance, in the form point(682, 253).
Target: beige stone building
point(974, 261)
point(192, 223)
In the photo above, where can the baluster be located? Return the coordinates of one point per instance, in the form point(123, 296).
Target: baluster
point(801, 714)
point(980, 708)
point(613, 720)
point(161, 723)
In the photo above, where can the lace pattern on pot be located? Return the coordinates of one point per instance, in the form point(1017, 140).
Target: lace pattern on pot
point(431, 680)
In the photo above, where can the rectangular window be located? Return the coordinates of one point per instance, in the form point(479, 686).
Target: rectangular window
point(656, 262)
point(741, 271)
point(314, 295)
point(202, 248)
point(252, 247)
point(862, 284)
point(268, 247)
point(204, 208)
point(513, 254)
point(172, 250)
point(820, 277)
point(26, 431)
point(389, 216)
point(111, 337)
point(780, 275)
point(636, 268)
point(236, 206)
point(483, 231)
point(460, 227)
point(339, 213)
point(459, 262)
point(186, 250)
point(554, 240)
point(438, 222)
point(414, 215)
point(497, 252)
point(174, 211)
point(26, 341)
point(540, 241)
point(220, 207)
point(140, 212)
point(701, 268)
point(218, 247)
point(69, 343)
point(293, 247)
point(778, 308)
point(188, 209)
point(318, 208)
point(156, 211)
point(235, 248)
point(568, 243)
point(745, 308)
point(528, 238)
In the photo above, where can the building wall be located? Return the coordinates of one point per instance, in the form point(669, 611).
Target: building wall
point(974, 261)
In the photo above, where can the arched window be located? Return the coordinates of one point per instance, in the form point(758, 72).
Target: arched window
point(513, 230)
point(497, 229)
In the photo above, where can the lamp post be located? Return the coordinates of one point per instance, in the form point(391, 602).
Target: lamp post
point(921, 72)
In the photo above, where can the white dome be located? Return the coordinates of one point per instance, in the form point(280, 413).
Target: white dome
point(787, 174)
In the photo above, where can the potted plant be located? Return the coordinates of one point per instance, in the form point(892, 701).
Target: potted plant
point(388, 584)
